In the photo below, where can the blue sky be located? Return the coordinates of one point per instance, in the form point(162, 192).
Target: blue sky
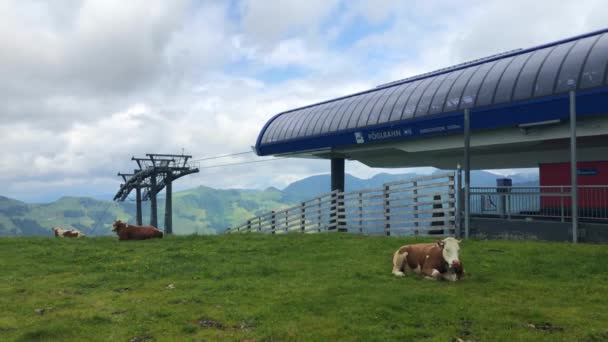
point(88, 84)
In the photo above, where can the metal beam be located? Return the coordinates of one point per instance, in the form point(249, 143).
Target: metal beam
point(125, 175)
point(168, 155)
point(467, 172)
point(180, 173)
point(573, 167)
point(138, 216)
point(138, 161)
point(168, 204)
point(153, 207)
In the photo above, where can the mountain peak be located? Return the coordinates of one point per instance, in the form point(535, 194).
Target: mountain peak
point(272, 189)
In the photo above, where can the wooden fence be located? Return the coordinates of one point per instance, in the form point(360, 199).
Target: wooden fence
point(420, 206)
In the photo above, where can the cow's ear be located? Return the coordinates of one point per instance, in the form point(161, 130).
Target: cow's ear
point(440, 243)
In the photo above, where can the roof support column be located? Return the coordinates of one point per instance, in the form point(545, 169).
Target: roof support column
point(138, 206)
point(337, 174)
point(467, 172)
point(573, 172)
point(337, 183)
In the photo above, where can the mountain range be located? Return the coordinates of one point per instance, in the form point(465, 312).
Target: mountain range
point(201, 210)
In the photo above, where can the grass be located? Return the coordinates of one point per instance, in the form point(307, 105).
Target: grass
point(295, 287)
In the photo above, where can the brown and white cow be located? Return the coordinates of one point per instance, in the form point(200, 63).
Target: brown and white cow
point(438, 260)
point(67, 233)
point(127, 231)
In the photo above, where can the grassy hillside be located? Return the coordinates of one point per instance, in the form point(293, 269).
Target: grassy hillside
point(93, 217)
point(204, 210)
point(201, 210)
point(295, 287)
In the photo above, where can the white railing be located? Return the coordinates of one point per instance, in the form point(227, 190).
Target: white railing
point(540, 201)
point(420, 206)
point(314, 215)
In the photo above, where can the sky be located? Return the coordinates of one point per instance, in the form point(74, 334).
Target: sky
point(86, 85)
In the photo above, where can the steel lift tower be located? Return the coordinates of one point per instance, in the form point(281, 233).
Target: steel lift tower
point(156, 171)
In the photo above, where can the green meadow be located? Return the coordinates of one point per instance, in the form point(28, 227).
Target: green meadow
point(324, 287)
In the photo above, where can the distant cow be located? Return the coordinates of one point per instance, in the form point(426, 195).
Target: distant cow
point(67, 233)
point(127, 231)
point(437, 260)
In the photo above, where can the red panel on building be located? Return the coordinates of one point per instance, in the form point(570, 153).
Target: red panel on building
point(589, 173)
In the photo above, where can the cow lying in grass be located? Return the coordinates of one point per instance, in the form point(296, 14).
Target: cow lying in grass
point(127, 231)
point(67, 233)
point(437, 260)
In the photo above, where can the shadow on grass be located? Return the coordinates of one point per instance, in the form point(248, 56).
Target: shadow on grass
point(48, 333)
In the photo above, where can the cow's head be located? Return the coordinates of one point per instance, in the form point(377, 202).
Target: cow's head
point(450, 249)
point(118, 224)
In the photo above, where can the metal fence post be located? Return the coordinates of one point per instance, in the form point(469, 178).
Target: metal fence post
point(387, 211)
point(573, 162)
point(451, 204)
point(272, 223)
point(561, 203)
point(341, 212)
point(458, 204)
point(415, 191)
point(360, 213)
point(467, 173)
point(333, 213)
point(319, 216)
point(509, 206)
point(303, 217)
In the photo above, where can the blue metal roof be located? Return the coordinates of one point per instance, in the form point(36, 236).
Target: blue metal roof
point(503, 90)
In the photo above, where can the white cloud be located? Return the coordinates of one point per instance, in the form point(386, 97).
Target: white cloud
point(86, 85)
point(78, 61)
point(265, 22)
point(292, 52)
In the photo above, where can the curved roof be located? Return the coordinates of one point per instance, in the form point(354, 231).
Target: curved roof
point(531, 80)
